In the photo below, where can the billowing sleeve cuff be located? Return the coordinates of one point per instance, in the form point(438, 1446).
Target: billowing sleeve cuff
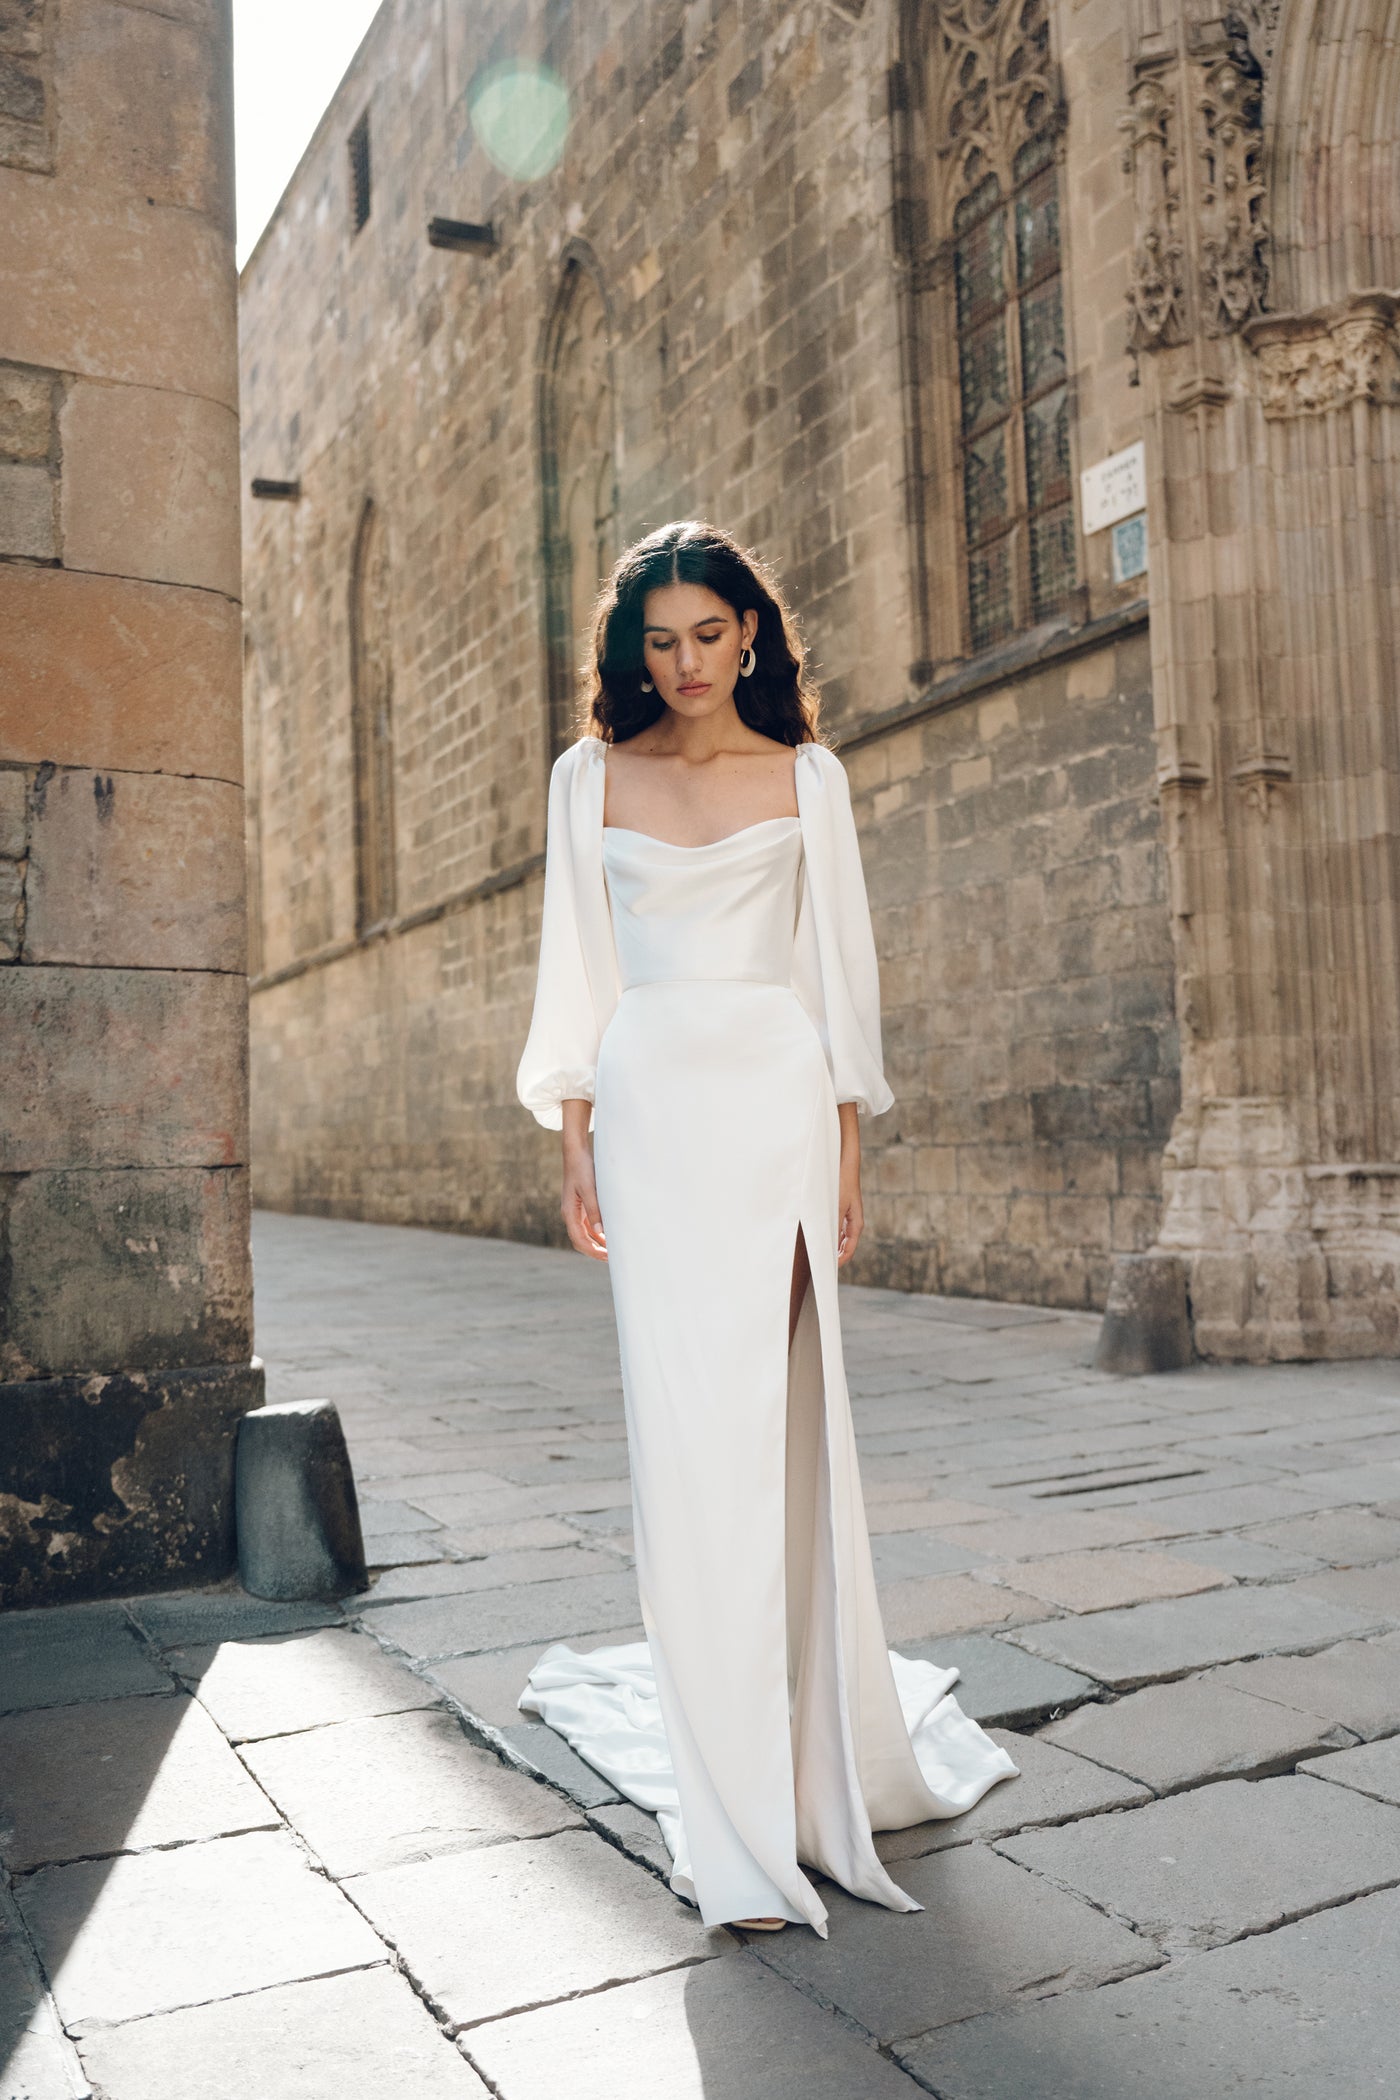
point(560, 1059)
point(842, 973)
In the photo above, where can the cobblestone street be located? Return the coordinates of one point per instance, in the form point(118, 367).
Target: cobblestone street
point(288, 1853)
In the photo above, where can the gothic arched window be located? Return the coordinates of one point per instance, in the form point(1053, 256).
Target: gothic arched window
point(992, 412)
point(372, 690)
point(579, 479)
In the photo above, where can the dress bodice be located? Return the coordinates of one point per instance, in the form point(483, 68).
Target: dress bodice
point(724, 910)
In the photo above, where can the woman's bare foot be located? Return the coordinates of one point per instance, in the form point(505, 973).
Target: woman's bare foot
point(759, 1924)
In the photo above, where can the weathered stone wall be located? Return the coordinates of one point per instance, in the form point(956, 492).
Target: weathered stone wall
point(1015, 870)
point(1271, 404)
point(125, 1293)
point(730, 186)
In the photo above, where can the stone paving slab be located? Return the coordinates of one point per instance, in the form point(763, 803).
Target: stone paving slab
point(582, 1462)
point(514, 1505)
point(594, 1523)
point(62, 1658)
point(936, 1604)
point(988, 1933)
point(358, 2037)
point(1303, 2013)
point(1106, 1578)
point(1374, 1591)
point(1201, 1868)
point(297, 1680)
point(125, 1937)
point(1166, 1639)
point(1356, 1683)
point(902, 1555)
point(492, 1932)
point(1372, 1768)
point(1010, 1537)
point(494, 1571)
point(399, 1787)
point(405, 1549)
point(636, 1833)
point(381, 1457)
point(1244, 1556)
point(1343, 1484)
point(541, 1611)
point(121, 1775)
point(895, 1506)
point(379, 1519)
point(722, 2030)
point(195, 1618)
point(1226, 1509)
point(482, 1539)
point(472, 1361)
point(37, 2061)
point(1053, 1786)
point(488, 1686)
point(470, 1479)
point(545, 1755)
point(1345, 1537)
point(999, 1683)
point(1182, 1734)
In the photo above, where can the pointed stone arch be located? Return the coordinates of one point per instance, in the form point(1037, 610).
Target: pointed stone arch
point(578, 457)
point(979, 122)
point(372, 697)
point(1334, 151)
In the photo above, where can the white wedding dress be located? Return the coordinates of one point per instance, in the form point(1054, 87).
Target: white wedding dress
point(715, 1003)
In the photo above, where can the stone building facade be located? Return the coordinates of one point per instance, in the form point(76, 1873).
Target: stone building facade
point(894, 291)
point(125, 1292)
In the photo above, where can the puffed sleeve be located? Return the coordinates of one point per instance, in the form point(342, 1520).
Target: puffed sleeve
point(576, 989)
point(835, 973)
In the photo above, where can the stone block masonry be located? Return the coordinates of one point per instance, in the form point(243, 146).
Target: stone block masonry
point(125, 1283)
point(709, 284)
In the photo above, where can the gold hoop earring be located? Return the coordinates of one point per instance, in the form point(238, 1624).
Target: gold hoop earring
point(748, 662)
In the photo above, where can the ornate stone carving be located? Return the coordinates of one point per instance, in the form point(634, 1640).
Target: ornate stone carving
point(1307, 364)
point(1257, 21)
point(1155, 302)
point(995, 86)
point(1214, 99)
point(1234, 272)
point(1260, 777)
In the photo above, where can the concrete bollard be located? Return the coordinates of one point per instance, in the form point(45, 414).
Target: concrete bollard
point(1147, 1321)
point(297, 1516)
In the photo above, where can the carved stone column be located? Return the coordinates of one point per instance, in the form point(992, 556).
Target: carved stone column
point(1272, 445)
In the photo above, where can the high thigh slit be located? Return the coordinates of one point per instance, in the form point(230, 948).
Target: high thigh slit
point(761, 1716)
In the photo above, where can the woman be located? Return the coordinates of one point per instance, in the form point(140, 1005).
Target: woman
point(708, 1005)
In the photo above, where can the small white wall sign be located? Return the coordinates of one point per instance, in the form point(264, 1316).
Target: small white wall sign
point(1114, 488)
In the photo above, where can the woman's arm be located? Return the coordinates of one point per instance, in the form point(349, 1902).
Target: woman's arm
point(579, 1205)
point(852, 1212)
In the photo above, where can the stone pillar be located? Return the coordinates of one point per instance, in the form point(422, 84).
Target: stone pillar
point(125, 1288)
point(1270, 369)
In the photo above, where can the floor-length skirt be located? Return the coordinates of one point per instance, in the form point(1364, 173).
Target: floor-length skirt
point(762, 1718)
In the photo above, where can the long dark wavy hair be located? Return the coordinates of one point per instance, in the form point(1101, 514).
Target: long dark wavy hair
point(779, 700)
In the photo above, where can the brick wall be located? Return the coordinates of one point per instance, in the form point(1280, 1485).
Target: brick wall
point(729, 174)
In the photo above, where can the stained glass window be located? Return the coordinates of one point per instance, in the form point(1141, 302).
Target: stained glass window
point(1018, 515)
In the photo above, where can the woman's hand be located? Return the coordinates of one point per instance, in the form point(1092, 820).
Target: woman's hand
point(851, 1214)
point(583, 1220)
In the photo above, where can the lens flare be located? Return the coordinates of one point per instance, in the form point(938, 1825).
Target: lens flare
point(520, 113)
